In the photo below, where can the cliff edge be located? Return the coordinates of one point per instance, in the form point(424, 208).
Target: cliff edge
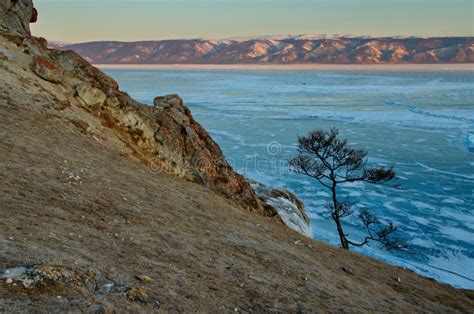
point(109, 205)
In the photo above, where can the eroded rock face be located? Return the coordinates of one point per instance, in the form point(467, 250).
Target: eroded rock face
point(47, 69)
point(165, 137)
point(42, 277)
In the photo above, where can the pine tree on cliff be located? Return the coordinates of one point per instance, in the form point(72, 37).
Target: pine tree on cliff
point(329, 160)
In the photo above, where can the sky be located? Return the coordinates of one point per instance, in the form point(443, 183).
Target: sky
point(132, 20)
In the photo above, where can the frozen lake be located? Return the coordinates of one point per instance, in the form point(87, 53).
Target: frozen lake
point(422, 123)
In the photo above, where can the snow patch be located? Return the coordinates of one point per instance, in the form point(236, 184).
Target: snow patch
point(288, 207)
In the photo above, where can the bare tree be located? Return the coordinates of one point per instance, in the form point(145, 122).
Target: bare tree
point(329, 160)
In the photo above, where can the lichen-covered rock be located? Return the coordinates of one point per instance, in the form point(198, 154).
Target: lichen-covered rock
point(168, 101)
point(5, 54)
point(47, 69)
point(42, 277)
point(286, 205)
point(165, 137)
point(113, 102)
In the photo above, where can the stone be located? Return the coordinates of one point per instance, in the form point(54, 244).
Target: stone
point(5, 54)
point(138, 295)
point(92, 97)
point(9, 281)
point(29, 276)
point(113, 102)
point(144, 278)
point(47, 69)
point(100, 309)
point(43, 42)
point(168, 100)
point(286, 206)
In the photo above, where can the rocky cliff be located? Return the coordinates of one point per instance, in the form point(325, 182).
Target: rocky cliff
point(165, 137)
point(282, 50)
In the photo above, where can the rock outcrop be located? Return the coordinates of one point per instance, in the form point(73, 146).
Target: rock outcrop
point(43, 277)
point(47, 69)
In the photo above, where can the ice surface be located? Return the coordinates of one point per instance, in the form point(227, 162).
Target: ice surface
point(422, 123)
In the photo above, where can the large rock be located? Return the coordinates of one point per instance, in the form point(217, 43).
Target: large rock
point(286, 205)
point(165, 137)
point(47, 69)
point(91, 96)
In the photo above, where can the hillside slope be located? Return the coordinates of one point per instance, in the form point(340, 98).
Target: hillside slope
point(89, 224)
point(69, 201)
point(290, 50)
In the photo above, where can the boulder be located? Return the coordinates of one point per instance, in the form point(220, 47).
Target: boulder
point(30, 276)
point(47, 69)
point(286, 206)
point(185, 148)
point(168, 101)
point(113, 102)
point(92, 97)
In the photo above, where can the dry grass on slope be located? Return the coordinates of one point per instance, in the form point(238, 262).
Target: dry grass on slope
point(71, 201)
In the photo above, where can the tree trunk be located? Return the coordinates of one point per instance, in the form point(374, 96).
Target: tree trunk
point(342, 237)
point(337, 219)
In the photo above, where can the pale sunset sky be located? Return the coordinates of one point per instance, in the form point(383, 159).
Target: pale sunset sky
point(132, 20)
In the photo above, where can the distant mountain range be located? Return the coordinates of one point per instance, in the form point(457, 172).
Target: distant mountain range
point(299, 49)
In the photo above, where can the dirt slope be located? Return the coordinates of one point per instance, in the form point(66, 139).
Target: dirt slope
point(120, 219)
